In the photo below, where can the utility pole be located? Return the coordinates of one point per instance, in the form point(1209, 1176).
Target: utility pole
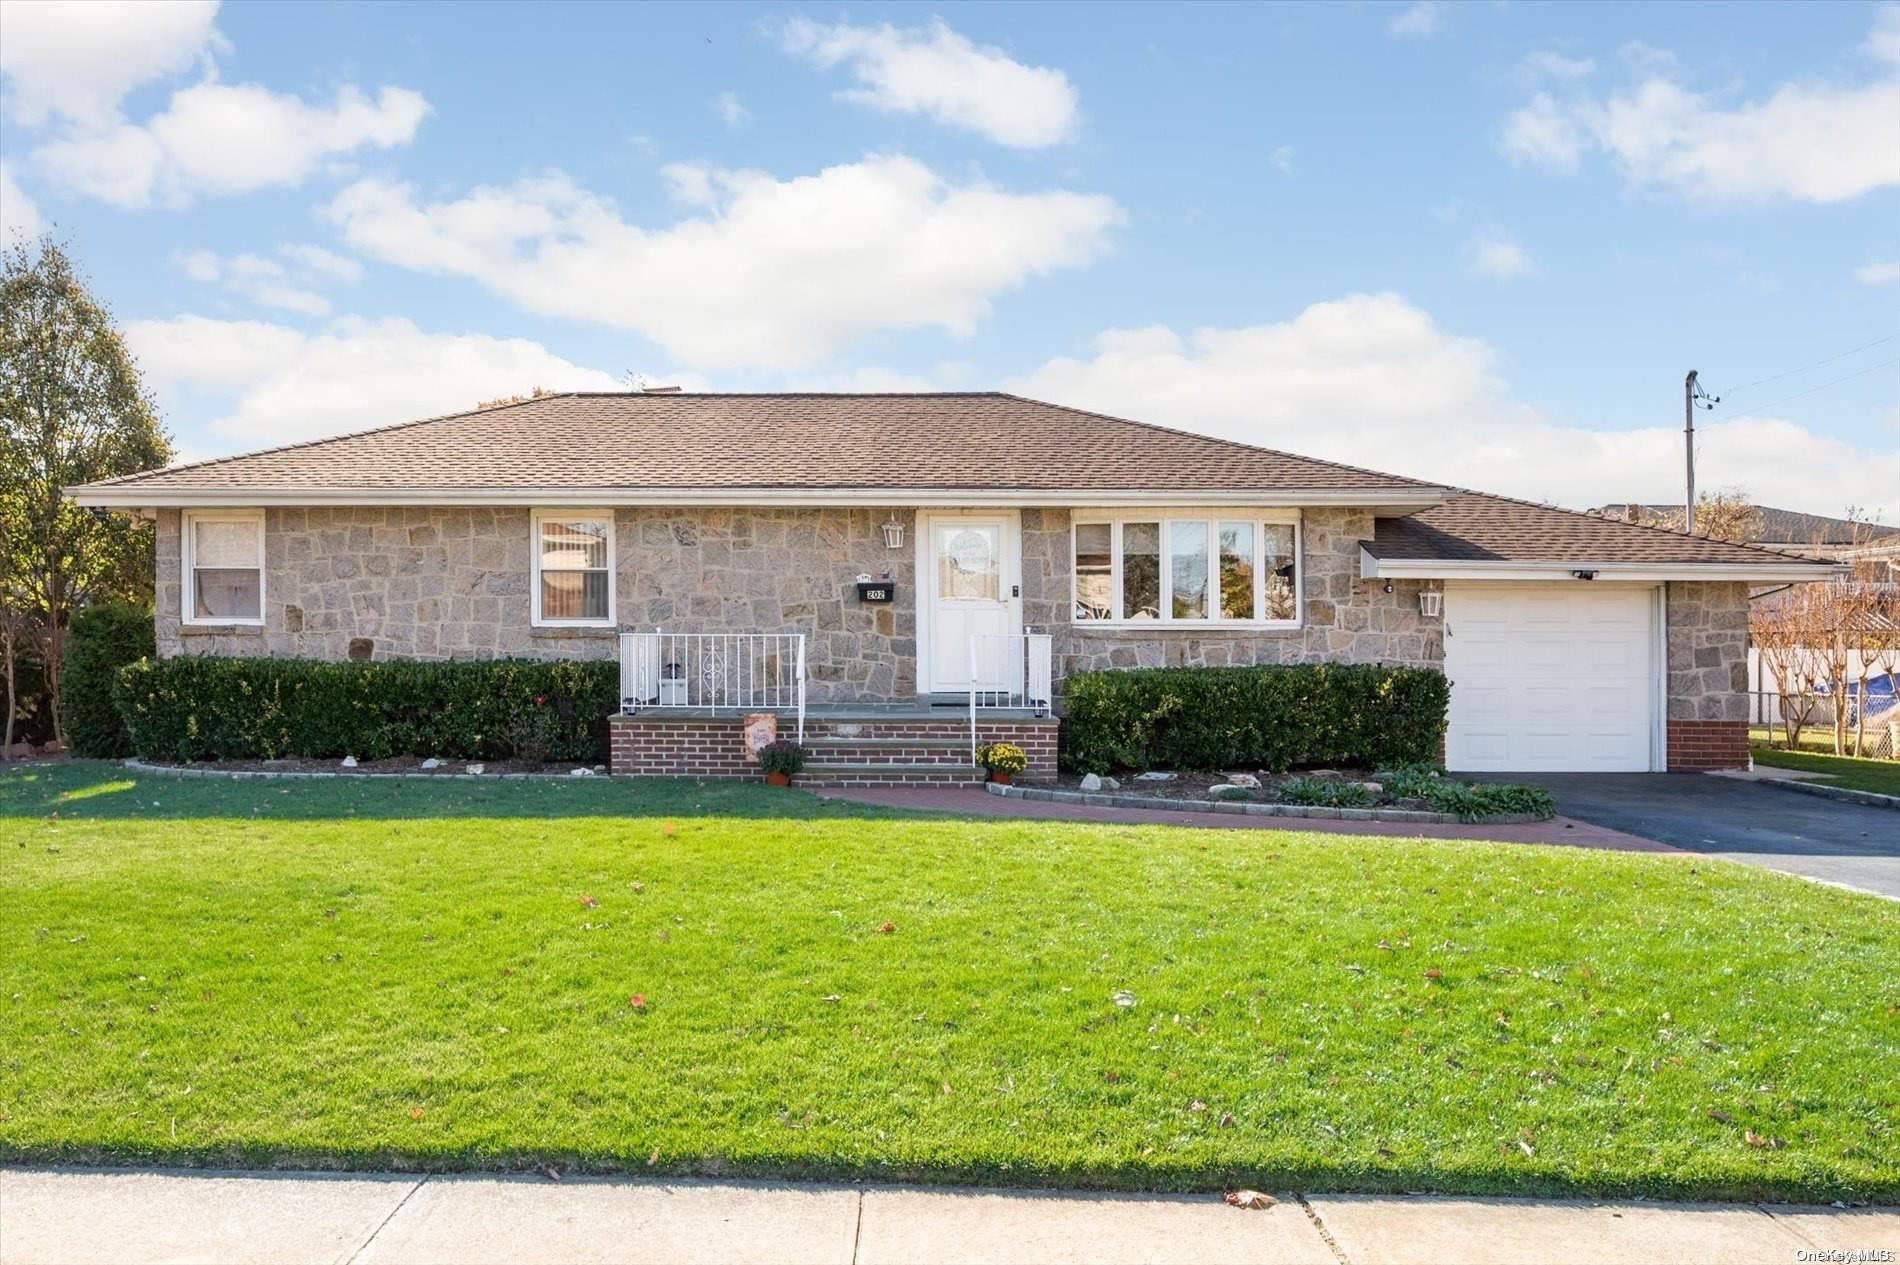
point(1688, 447)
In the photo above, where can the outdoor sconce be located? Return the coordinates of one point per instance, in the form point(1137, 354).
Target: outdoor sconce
point(1431, 603)
point(893, 533)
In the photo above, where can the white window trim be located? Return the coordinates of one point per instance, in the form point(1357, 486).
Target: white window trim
point(1212, 516)
point(534, 566)
point(188, 571)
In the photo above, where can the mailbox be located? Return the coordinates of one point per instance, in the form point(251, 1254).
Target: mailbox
point(877, 590)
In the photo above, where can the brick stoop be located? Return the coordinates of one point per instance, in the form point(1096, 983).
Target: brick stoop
point(1697, 746)
point(841, 751)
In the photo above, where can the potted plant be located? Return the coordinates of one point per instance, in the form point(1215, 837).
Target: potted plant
point(1004, 760)
point(780, 760)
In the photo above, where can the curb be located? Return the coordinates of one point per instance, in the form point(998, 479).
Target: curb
point(1872, 799)
point(176, 770)
point(1096, 799)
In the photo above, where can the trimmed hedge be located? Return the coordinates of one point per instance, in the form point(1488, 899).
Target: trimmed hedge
point(263, 709)
point(100, 640)
point(1272, 718)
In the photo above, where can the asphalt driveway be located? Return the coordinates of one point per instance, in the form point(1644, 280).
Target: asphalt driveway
point(1739, 821)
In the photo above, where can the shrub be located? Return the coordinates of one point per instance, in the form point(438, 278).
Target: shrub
point(1273, 718)
point(100, 640)
point(1410, 781)
point(1003, 757)
point(1313, 792)
point(782, 756)
point(260, 709)
point(1475, 801)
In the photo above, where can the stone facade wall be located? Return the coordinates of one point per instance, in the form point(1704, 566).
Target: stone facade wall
point(454, 583)
point(1707, 724)
point(1347, 619)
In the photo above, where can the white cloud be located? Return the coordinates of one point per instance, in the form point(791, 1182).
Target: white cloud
point(1545, 134)
point(266, 281)
point(1878, 272)
point(320, 262)
point(1371, 380)
point(1498, 257)
point(1420, 19)
point(936, 72)
point(1812, 142)
point(78, 60)
point(727, 106)
point(1282, 158)
point(1545, 64)
point(225, 139)
point(280, 385)
point(18, 215)
point(767, 273)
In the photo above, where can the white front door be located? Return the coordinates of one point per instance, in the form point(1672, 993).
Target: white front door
point(1551, 677)
point(969, 573)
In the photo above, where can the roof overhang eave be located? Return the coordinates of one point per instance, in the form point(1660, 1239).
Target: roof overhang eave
point(1768, 571)
point(139, 495)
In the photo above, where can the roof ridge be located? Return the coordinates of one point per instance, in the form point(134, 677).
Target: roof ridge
point(1214, 439)
point(1599, 518)
point(127, 479)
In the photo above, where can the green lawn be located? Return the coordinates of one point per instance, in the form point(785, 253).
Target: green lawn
point(1882, 776)
point(409, 975)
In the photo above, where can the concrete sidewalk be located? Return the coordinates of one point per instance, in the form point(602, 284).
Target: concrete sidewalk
point(62, 1216)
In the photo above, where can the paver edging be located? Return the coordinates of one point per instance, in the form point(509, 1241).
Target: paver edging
point(1099, 799)
point(184, 770)
point(1872, 799)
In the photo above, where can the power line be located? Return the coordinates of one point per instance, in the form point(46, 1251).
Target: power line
point(1776, 377)
point(1859, 373)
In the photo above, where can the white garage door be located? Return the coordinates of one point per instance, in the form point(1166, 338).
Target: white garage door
point(1555, 677)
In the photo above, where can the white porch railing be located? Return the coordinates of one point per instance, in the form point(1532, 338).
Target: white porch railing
point(713, 672)
point(1010, 671)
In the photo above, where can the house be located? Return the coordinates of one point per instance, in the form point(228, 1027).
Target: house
point(1791, 531)
point(899, 575)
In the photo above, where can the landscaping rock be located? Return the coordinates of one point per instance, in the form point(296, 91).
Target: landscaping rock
point(580, 773)
point(1231, 790)
point(431, 763)
point(476, 769)
point(1154, 775)
point(1111, 784)
point(1375, 787)
point(1091, 782)
point(349, 761)
point(1247, 780)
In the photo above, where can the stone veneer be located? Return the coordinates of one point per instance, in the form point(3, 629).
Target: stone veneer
point(1707, 723)
point(454, 583)
point(1347, 618)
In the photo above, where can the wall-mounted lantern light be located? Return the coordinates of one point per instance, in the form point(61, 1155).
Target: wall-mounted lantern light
point(1431, 603)
point(893, 533)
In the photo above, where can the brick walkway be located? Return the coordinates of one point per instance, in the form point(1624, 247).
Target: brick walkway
point(974, 801)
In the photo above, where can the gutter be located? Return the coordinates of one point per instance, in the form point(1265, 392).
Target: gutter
point(1375, 568)
point(140, 495)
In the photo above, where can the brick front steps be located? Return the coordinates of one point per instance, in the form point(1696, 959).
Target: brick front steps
point(843, 749)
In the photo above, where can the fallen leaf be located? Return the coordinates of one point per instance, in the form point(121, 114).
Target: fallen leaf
point(1720, 1117)
point(887, 928)
point(1434, 973)
point(588, 902)
point(653, 1157)
point(638, 1001)
point(1226, 1119)
point(1197, 1105)
point(833, 997)
point(1124, 999)
point(1250, 1199)
point(550, 1172)
point(415, 1113)
point(669, 829)
point(1755, 1139)
point(1112, 1077)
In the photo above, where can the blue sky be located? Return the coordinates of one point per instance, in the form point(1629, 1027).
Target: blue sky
point(1478, 243)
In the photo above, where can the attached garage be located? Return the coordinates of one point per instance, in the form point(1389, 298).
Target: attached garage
point(1554, 677)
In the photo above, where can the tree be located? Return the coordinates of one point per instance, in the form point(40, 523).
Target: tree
point(1718, 516)
point(72, 411)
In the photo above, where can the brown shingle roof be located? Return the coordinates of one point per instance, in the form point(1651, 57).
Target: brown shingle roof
point(983, 440)
point(1474, 527)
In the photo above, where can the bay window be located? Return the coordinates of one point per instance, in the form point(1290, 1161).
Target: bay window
point(1205, 568)
point(573, 569)
point(222, 563)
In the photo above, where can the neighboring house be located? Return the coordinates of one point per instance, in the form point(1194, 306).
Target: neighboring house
point(906, 562)
point(1815, 535)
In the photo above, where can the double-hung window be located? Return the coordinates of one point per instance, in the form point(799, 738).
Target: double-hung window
point(573, 569)
point(1187, 567)
point(222, 560)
